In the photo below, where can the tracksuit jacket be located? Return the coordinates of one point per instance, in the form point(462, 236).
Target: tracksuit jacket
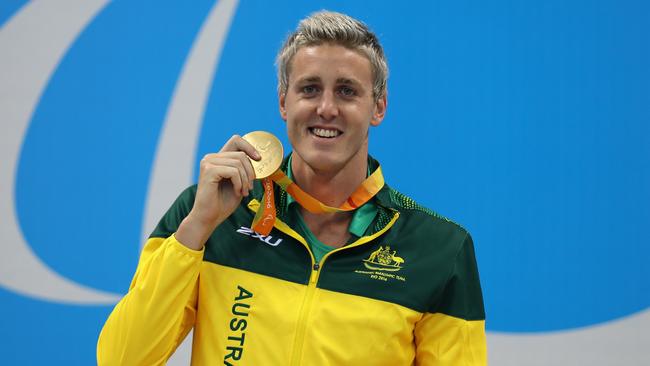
point(407, 292)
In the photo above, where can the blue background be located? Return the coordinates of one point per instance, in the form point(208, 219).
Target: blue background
point(526, 122)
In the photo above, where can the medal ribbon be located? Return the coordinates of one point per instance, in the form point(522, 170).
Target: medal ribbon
point(265, 215)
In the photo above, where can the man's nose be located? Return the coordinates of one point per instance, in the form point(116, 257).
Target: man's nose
point(328, 108)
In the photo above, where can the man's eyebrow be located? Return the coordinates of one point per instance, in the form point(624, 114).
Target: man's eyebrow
point(347, 81)
point(309, 79)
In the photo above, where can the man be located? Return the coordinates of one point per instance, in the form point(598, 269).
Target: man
point(378, 281)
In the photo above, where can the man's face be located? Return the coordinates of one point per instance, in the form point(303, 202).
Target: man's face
point(329, 106)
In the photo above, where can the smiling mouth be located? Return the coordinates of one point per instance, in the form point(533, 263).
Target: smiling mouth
point(325, 132)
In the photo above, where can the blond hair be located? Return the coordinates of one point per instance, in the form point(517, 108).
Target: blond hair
point(331, 27)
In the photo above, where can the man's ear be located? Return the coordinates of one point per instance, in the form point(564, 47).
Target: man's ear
point(283, 111)
point(380, 111)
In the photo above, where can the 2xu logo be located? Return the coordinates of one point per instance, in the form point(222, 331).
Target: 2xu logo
point(268, 239)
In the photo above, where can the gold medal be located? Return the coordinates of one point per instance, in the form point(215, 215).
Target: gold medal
point(270, 148)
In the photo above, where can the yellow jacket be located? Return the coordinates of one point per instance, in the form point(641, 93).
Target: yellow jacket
point(405, 293)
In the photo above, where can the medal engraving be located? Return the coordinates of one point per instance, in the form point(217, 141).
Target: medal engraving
point(270, 148)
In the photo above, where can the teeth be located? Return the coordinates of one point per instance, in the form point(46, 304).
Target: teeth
point(321, 132)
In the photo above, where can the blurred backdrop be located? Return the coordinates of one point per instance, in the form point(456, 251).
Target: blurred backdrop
point(528, 122)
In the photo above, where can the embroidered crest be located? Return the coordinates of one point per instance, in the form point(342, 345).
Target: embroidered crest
point(383, 259)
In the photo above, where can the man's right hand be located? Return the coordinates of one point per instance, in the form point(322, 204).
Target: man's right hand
point(224, 179)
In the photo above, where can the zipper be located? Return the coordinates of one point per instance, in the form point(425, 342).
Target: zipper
point(301, 326)
point(364, 239)
point(305, 308)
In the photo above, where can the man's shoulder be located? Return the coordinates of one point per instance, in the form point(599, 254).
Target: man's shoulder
point(170, 221)
point(189, 192)
point(414, 213)
point(185, 201)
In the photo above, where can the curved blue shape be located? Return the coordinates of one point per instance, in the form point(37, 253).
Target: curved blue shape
point(9, 8)
point(44, 333)
point(87, 154)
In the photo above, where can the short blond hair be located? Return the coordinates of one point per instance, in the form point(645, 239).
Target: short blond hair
point(331, 27)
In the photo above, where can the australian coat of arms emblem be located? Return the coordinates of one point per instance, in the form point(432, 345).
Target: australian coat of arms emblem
point(383, 259)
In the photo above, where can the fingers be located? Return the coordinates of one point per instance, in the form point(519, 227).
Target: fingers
point(230, 173)
point(233, 163)
point(237, 143)
point(213, 173)
point(241, 156)
point(239, 171)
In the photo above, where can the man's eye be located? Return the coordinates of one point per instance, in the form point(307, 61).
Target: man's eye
point(346, 91)
point(309, 89)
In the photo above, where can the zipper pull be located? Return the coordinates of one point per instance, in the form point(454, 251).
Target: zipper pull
point(314, 273)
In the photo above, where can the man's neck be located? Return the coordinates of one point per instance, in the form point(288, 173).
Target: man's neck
point(330, 187)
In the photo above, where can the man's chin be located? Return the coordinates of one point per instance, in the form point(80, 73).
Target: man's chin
point(325, 162)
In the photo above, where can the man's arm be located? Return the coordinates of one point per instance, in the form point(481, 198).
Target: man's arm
point(453, 332)
point(156, 314)
point(149, 323)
